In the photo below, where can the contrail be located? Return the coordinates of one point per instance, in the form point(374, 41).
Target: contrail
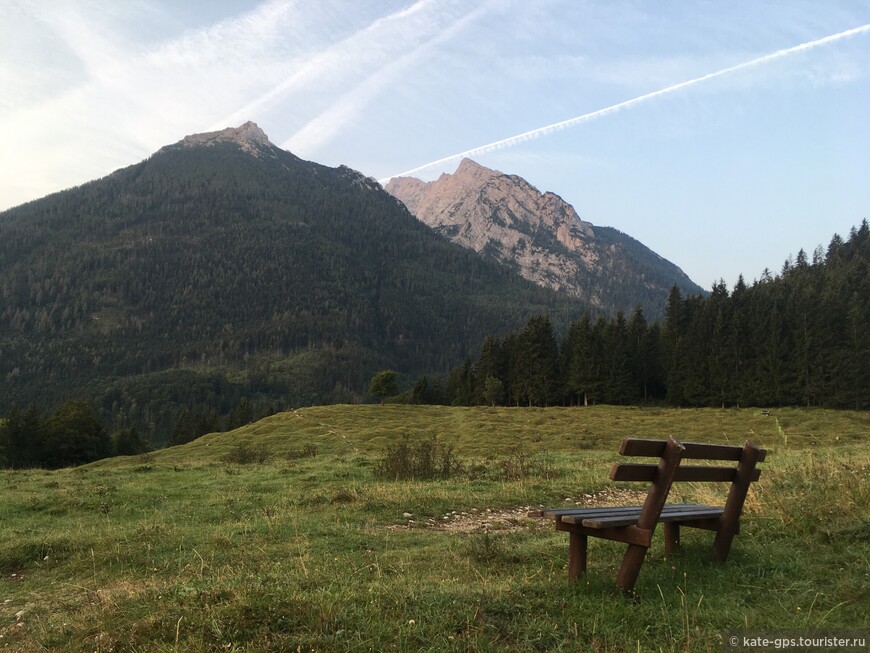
point(348, 106)
point(557, 126)
point(316, 67)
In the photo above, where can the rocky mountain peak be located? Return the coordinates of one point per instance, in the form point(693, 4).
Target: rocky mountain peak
point(469, 169)
point(538, 234)
point(248, 136)
point(487, 210)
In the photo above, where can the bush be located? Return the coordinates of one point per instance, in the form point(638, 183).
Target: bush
point(517, 465)
point(308, 451)
point(245, 453)
point(520, 464)
point(426, 460)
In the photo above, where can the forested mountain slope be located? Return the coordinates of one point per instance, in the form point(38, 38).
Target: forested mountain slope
point(224, 267)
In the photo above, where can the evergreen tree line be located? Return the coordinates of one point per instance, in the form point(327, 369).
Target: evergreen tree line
point(797, 338)
point(75, 434)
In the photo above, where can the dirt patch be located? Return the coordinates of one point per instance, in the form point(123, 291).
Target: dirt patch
point(477, 520)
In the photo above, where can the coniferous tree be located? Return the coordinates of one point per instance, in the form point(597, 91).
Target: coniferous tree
point(585, 380)
point(640, 356)
point(618, 378)
point(241, 414)
point(184, 429)
point(673, 354)
point(460, 384)
point(537, 362)
point(739, 342)
point(490, 364)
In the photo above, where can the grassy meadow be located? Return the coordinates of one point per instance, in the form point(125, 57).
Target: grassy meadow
point(185, 550)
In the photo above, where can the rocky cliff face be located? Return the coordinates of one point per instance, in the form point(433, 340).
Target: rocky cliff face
point(541, 236)
point(506, 217)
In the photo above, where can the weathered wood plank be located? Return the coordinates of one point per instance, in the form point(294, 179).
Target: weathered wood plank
point(626, 534)
point(556, 513)
point(626, 520)
point(711, 524)
point(628, 512)
point(694, 450)
point(560, 512)
point(691, 473)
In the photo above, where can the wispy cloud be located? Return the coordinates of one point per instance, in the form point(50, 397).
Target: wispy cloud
point(571, 122)
point(333, 59)
point(348, 106)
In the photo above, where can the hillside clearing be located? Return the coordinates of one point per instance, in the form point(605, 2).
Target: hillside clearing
point(180, 550)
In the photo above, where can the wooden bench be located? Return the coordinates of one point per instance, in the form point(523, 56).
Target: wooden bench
point(635, 525)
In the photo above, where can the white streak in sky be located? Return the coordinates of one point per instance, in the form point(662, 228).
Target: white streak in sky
point(558, 126)
point(329, 59)
point(346, 108)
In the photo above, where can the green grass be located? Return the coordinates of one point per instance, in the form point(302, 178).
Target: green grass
point(181, 551)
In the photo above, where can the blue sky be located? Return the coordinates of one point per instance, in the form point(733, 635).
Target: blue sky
point(725, 176)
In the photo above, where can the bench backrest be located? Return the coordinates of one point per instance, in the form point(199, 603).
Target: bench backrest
point(668, 470)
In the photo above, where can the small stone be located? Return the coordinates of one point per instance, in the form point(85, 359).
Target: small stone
point(19, 614)
point(407, 515)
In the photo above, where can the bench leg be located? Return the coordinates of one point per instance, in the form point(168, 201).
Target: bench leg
point(722, 543)
point(631, 563)
point(672, 537)
point(576, 556)
point(730, 523)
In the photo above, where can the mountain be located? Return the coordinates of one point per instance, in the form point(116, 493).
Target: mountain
point(542, 237)
point(223, 267)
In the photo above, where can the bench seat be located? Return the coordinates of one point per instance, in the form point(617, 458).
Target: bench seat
point(628, 515)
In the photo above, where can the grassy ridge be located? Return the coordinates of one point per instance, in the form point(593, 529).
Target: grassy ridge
point(179, 550)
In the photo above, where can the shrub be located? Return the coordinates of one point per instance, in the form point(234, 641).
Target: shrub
point(426, 460)
point(245, 453)
point(520, 464)
point(308, 451)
